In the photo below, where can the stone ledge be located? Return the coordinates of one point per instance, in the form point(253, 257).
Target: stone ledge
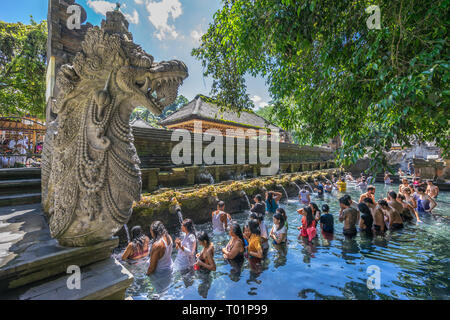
point(29, 254)
point(107, 280)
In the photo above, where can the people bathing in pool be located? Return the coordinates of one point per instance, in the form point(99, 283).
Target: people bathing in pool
point(264, 233)
point(205, 259)
point(425, 204)
point(304, 196)
point(220, 218)
point(326, 219)
point(137, 248)
point(369, 194)
point(315, 210)
point(328, 187)
point(283, 213)
point(160, 250)
point(341, 185)
point(254, 249)
point(236, 246)
point(366, 218)
point(187, 247)
point(272, 200)
point(387, 178)
point(318, 187)
point(308, 228)
point(348, 215)
point(279, 231)
point(259, 206)
point(432, 190)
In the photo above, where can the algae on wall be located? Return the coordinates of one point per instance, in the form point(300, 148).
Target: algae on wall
point(198, 203)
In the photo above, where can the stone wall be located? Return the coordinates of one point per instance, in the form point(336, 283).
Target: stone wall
point(154, 148)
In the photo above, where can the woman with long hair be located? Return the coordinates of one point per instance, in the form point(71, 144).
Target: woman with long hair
point(205, 259)
point(187, 248)
point(279, 231)
point(236, 246)
point(315, 211)
point(366, 220)
point(161, 249)
point(283, 213)
point(272, 200)
point(308, 222)
point(138, 246)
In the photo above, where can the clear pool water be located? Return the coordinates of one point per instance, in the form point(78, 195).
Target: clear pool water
point(414, 263)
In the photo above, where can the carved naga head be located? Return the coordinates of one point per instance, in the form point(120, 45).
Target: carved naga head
point(90, 173)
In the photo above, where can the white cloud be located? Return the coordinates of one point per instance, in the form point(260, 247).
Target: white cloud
point(159, 13)
point(101, 7)
point(196, 35)
point(259, 103)
point(132, 18)
point(139, 1)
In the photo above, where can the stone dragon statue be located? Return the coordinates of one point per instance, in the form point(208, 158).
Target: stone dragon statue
point(90, 168)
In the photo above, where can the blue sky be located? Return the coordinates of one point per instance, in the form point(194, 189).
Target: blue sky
point(166, 29)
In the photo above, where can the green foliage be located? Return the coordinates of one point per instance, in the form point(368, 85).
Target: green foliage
point(329, 75)
point(153, 120)
point(22, 68)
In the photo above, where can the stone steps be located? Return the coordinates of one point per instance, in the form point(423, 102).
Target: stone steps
point(20, 186)
point(34, 266)
point(19, 199)
point(20, 173)
point(104, 280)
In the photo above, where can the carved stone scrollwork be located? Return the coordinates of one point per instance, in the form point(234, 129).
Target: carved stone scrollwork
point(90, 172)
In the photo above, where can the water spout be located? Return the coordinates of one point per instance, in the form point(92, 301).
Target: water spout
point(179, 214)
point(285, 192)
point(298, 187)
point(127, 232)
point(312, 190)
point(246, 198)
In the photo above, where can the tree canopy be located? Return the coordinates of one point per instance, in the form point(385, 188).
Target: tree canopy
point(22, 68)
point(329, 74)
point(153, 120)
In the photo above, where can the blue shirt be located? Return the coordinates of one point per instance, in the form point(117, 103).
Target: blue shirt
point(320, 189)
point(271, 208)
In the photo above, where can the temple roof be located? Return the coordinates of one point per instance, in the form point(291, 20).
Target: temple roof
point(140, 123)
point(203, 110)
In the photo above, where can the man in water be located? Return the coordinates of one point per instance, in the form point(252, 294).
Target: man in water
point(349, 216)
point(259, 206)
point(378, 219)
point(318, 187)
point(432, 190)
point(394, 211)
point(220, 218)
point(369, 194)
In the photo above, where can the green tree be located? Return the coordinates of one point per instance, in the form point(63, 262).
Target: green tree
point(153, 120)
point(329, 74)
point(22, 68)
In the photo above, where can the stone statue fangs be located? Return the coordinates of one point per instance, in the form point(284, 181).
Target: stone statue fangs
point(90, 169)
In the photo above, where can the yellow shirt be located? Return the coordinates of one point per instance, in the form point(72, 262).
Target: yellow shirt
point(254, 243)
point(342, 186)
